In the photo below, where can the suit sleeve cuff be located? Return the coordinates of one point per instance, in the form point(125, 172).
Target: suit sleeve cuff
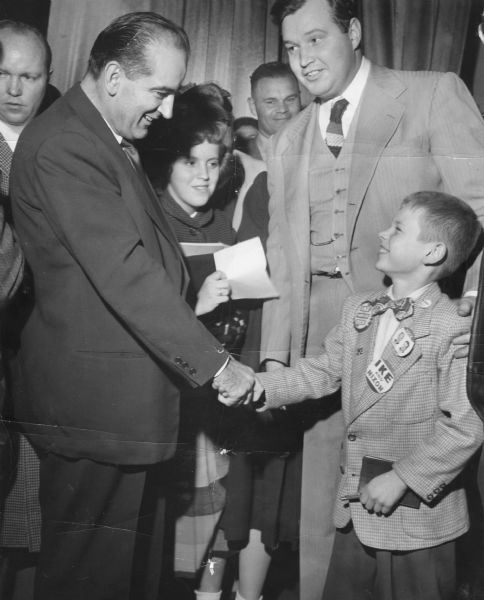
point(222, 367)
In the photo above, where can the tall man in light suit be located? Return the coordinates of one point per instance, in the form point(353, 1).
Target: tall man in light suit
point(110, 339)
point(336, 176)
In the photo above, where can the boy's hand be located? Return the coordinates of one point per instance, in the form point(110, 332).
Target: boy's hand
point(257, 402)
point(382, 493)
point(215, 290)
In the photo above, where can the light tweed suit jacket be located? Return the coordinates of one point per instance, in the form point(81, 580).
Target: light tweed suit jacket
point(413, 131)
point(424, 422)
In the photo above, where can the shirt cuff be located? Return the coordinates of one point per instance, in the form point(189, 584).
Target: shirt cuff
point(222, 368)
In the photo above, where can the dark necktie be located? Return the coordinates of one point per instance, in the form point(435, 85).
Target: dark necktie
point(334, 132)
point(133, 156)
point(401, 308)
point(134, 159)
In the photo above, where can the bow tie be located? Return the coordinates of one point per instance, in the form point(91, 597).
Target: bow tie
point(402, 308)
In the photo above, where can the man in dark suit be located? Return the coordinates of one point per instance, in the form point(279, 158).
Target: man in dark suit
point(110, 339)
point(25, 60)
point(336, 173)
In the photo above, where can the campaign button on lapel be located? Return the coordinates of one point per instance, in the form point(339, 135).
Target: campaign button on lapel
point(379, 376)
point(403, 341)
point(363, 316)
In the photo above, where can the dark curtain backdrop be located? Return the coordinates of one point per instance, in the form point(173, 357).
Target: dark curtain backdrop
point(416, 34)
point(33, 12)
point(231, 37)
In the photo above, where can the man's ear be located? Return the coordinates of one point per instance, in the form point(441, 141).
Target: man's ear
point(354, 33)
point(251, 104)
point(436, 254)
point(112, 77)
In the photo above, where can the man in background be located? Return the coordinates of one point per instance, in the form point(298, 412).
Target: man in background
point(25, 59)
point(337, 173)
point(110, 339)
point(245, 132)
point(273, 101)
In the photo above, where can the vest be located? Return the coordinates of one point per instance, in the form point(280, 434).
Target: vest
point(328, 203)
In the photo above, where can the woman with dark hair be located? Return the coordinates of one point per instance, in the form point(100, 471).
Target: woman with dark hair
point(262, 485)
point(253, 506)
point(182, 157)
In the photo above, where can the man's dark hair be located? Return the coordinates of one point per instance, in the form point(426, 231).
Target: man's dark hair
point(126, 39)
point(343, 11)
point(24, 29)
point(199, 115)
point(449, 220)
point(245, 121)
point(271, 70)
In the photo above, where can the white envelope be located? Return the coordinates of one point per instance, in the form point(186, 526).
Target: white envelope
point(245, 264)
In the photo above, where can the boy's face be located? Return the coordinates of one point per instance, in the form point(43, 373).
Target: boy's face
point(401, 249)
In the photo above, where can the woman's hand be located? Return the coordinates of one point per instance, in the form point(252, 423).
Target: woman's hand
point(214, 291)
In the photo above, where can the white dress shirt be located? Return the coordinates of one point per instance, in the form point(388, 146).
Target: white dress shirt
point(11, 133)
point(352, 94)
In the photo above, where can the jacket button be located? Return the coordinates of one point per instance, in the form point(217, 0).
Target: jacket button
point(192, 371)
point(351, 437)
point(178, 360)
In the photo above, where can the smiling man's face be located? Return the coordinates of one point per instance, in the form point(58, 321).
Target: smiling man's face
point(138, 100)
point(321, 55)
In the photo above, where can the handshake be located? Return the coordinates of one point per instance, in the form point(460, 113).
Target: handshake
point(237, 384)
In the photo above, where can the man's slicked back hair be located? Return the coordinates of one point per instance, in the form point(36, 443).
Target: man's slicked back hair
point(126, 39)
point(447, 219)
point(343, 11)
point(24, 29)
point(271, 70)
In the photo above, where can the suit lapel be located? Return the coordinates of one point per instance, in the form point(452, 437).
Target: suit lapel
point(363, 397)
point(365, 342)
point(93, 120)
point(378, 117)
point(296, 193)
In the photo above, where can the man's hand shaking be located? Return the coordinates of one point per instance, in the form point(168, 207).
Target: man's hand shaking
point(237, 385)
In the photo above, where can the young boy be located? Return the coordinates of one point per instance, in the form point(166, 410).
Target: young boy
point(404, 401)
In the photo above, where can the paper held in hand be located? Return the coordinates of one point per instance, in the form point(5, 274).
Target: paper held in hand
point(245, 267)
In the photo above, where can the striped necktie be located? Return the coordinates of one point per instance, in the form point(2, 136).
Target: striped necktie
point(133, 156)
point(334, 132)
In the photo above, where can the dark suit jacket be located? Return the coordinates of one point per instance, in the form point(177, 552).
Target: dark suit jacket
point(110, 337)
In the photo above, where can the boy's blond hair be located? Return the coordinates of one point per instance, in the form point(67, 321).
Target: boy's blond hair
point(449, 220)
